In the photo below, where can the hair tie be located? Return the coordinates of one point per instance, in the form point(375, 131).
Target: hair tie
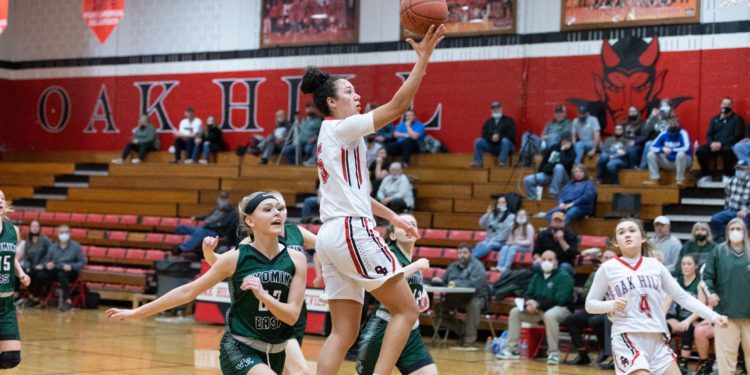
point(253, 204)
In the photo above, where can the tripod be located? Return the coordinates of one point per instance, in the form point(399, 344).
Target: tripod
point(292, 137)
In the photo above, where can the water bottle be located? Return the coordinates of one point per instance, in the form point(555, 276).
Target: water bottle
point(524, 348)
point(488, 345)
point(496, 345)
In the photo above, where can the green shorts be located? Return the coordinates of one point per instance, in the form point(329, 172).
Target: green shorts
point(301, 325)
point(8, 320)
point(414, 356)
point(237, 358)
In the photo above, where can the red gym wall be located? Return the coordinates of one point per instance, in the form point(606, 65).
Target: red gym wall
point(527, 87)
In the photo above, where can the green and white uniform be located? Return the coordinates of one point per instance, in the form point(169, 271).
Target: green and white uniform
point(415, 354)
point(8, 320)
point(254, 335)
point(294, 241)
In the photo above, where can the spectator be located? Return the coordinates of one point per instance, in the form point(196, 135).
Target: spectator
point(742, 148)
point(144, 140)
point(395, 191)
point(311, 208)
point(549, 299)
point(577, 322)
point(655, 125)
point(498, 137)
point(379, 170)
point(725, 278)
point(63, 263)
point(222, 221)
point(578, 197)
point(554, 169)
point(614, 157)
point(210, 140)
point(409, 135)
point(521, 238)
point(736, 201)
point(671, 151)
point(679, 320)
point(275, 141)
point(724, 131)
point(559, 239)
point(551, 135)
point(184, 138)
point(699, 246)
point(307, 138)
point(32, 258)
point(635, 136)
point(497, 221)
point(466, 272)
point(666, 243)
point(586, 134)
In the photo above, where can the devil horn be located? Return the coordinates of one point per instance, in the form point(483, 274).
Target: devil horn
point(609, 56)
point(649, 56)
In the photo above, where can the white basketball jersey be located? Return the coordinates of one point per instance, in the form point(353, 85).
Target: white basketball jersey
point(342, 167)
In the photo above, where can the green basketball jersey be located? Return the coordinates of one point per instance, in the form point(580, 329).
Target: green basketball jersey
point(247, 316)
point(293, 237)
point(8, 240)
point(414, 281)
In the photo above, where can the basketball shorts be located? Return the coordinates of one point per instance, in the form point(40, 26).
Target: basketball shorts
point(641, 351)
point(414, 356)
point(237, 358)
point(354, 258)
point(8, 320)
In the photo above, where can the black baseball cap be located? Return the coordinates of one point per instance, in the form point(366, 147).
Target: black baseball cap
point(496, 104)
point(559, 108)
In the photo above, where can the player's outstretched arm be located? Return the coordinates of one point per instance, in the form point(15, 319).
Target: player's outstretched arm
point(223, 268)
point(414, 267)
point(379, 210)
point(288, 312)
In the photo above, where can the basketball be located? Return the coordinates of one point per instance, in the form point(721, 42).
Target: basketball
point(418, 15)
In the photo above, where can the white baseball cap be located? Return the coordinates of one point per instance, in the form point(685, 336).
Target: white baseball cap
point(661, 220)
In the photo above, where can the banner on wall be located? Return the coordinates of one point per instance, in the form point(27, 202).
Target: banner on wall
point(586, 14)
point(102, 16)
point(3, 15)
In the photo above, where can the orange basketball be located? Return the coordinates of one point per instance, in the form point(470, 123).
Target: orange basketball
point(418, 15)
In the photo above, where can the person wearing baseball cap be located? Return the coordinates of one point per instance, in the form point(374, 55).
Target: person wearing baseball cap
point(551, 135)
point(736, 202)
point(666, 243)
point(586, 134)
point(498, 137)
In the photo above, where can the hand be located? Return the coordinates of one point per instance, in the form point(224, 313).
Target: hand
point(50, 266)
point(741, 214)
point(490, 208)
point(210, 244)
point(121, 314)
point(424, 302)
point(713, 300)
point(722, 321)
point(592, 152)
point(715, 146)
point(429, 42)
point(532, 306)
point(667, 150)
point(655, 112)
point(198, 141)
point(495, 138)
point(681, 326)
point(67, 267)
point(621, 152)
point(25, 279)
point(399, 222)
point(561, 206)
point(254, 285)
point(559, 235)
point(318, 281)
point(620, 305)
point(422, 264)
point(379, 160)
point(631, 143)
point(135, 141)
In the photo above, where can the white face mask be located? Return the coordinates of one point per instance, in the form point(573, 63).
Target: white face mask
point(547, 266)
point(497, 115)
point(736, 236)
point(665, 108)
point(521, 220)
point(65, 237)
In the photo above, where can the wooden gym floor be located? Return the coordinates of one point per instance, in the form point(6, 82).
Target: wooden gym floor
point(84, 342)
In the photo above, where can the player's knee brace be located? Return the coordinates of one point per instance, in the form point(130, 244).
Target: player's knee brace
point(10, 359)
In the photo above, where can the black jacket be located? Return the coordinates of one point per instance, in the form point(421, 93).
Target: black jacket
point(546, 241)
point(506, 127)
point(566, 158)
point(224, 221)
point(727, 131)
point(213, 134)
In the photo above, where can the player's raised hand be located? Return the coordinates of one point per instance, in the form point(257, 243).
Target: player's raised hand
point(399, 222)
point(121, 314)
point(620, 305)
point(713, 300)
point(425, 47)
point(422, 264)
point(722, 321)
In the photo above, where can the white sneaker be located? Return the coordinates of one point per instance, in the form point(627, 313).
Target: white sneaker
point(553, 358)
point(507, 354)
point(705, 180)
point(117, 161)
point(203, 161)
point(135, 161)
point(189, 161)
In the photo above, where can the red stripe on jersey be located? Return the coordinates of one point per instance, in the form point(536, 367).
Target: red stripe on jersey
point(380, 244)
point(356, 160)
point(352, 252)
point(637, 265)
point(631, 347)
point(343, 165)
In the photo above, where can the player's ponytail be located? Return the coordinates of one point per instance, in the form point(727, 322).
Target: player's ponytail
point(321, 85)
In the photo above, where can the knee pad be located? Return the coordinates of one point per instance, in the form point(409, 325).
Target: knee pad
point(10, 359)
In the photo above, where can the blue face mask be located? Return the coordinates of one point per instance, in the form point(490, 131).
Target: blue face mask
point(665, 108)
point(740, 173)
point(502, 208)
point(496, 115)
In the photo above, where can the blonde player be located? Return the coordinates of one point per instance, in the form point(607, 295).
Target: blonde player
point(634, 285)
point(353, 255)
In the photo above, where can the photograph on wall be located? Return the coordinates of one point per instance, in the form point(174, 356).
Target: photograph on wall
point(308, 22)
point(478, 17)
point(594, 14)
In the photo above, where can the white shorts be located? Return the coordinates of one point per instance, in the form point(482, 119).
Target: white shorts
point(641, 351)
point(354, 258)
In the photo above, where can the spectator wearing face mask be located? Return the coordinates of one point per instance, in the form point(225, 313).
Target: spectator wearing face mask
point(635, 136)
point(498, 137)
point(548, 299)
point(655, 125)
point(670, 151)
point(736, 201)
point(33, 254)
point(699, 246)
point(559, 239)
point(395, 191)
point(63, 263)
point(222, 221)
point(724, 131)
point(614, 157)
point(586, 134)
point(521, 238)
point(498, 222)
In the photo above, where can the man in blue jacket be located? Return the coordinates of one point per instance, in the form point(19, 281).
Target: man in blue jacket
point(670, 151)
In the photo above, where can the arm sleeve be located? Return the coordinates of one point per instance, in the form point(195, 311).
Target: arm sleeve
point(684, 299)
point(685, 137)
point(708, 273)
point(595, 303)
point(381, 190)
point(658, 143)
point(589, 194)
point(710, 134)
point(484, 221)
point(354, 127)
point(418, 127)
point(79, 260)
point(403, 188)
point(587, 286)
point(564, 292)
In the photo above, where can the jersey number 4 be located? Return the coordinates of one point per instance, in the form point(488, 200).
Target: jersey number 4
point(645, 308)
point(276, 294)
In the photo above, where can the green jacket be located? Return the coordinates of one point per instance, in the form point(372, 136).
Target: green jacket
point(144, 134)
point(700, 253)
point(728, 275)
point(556, 290)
